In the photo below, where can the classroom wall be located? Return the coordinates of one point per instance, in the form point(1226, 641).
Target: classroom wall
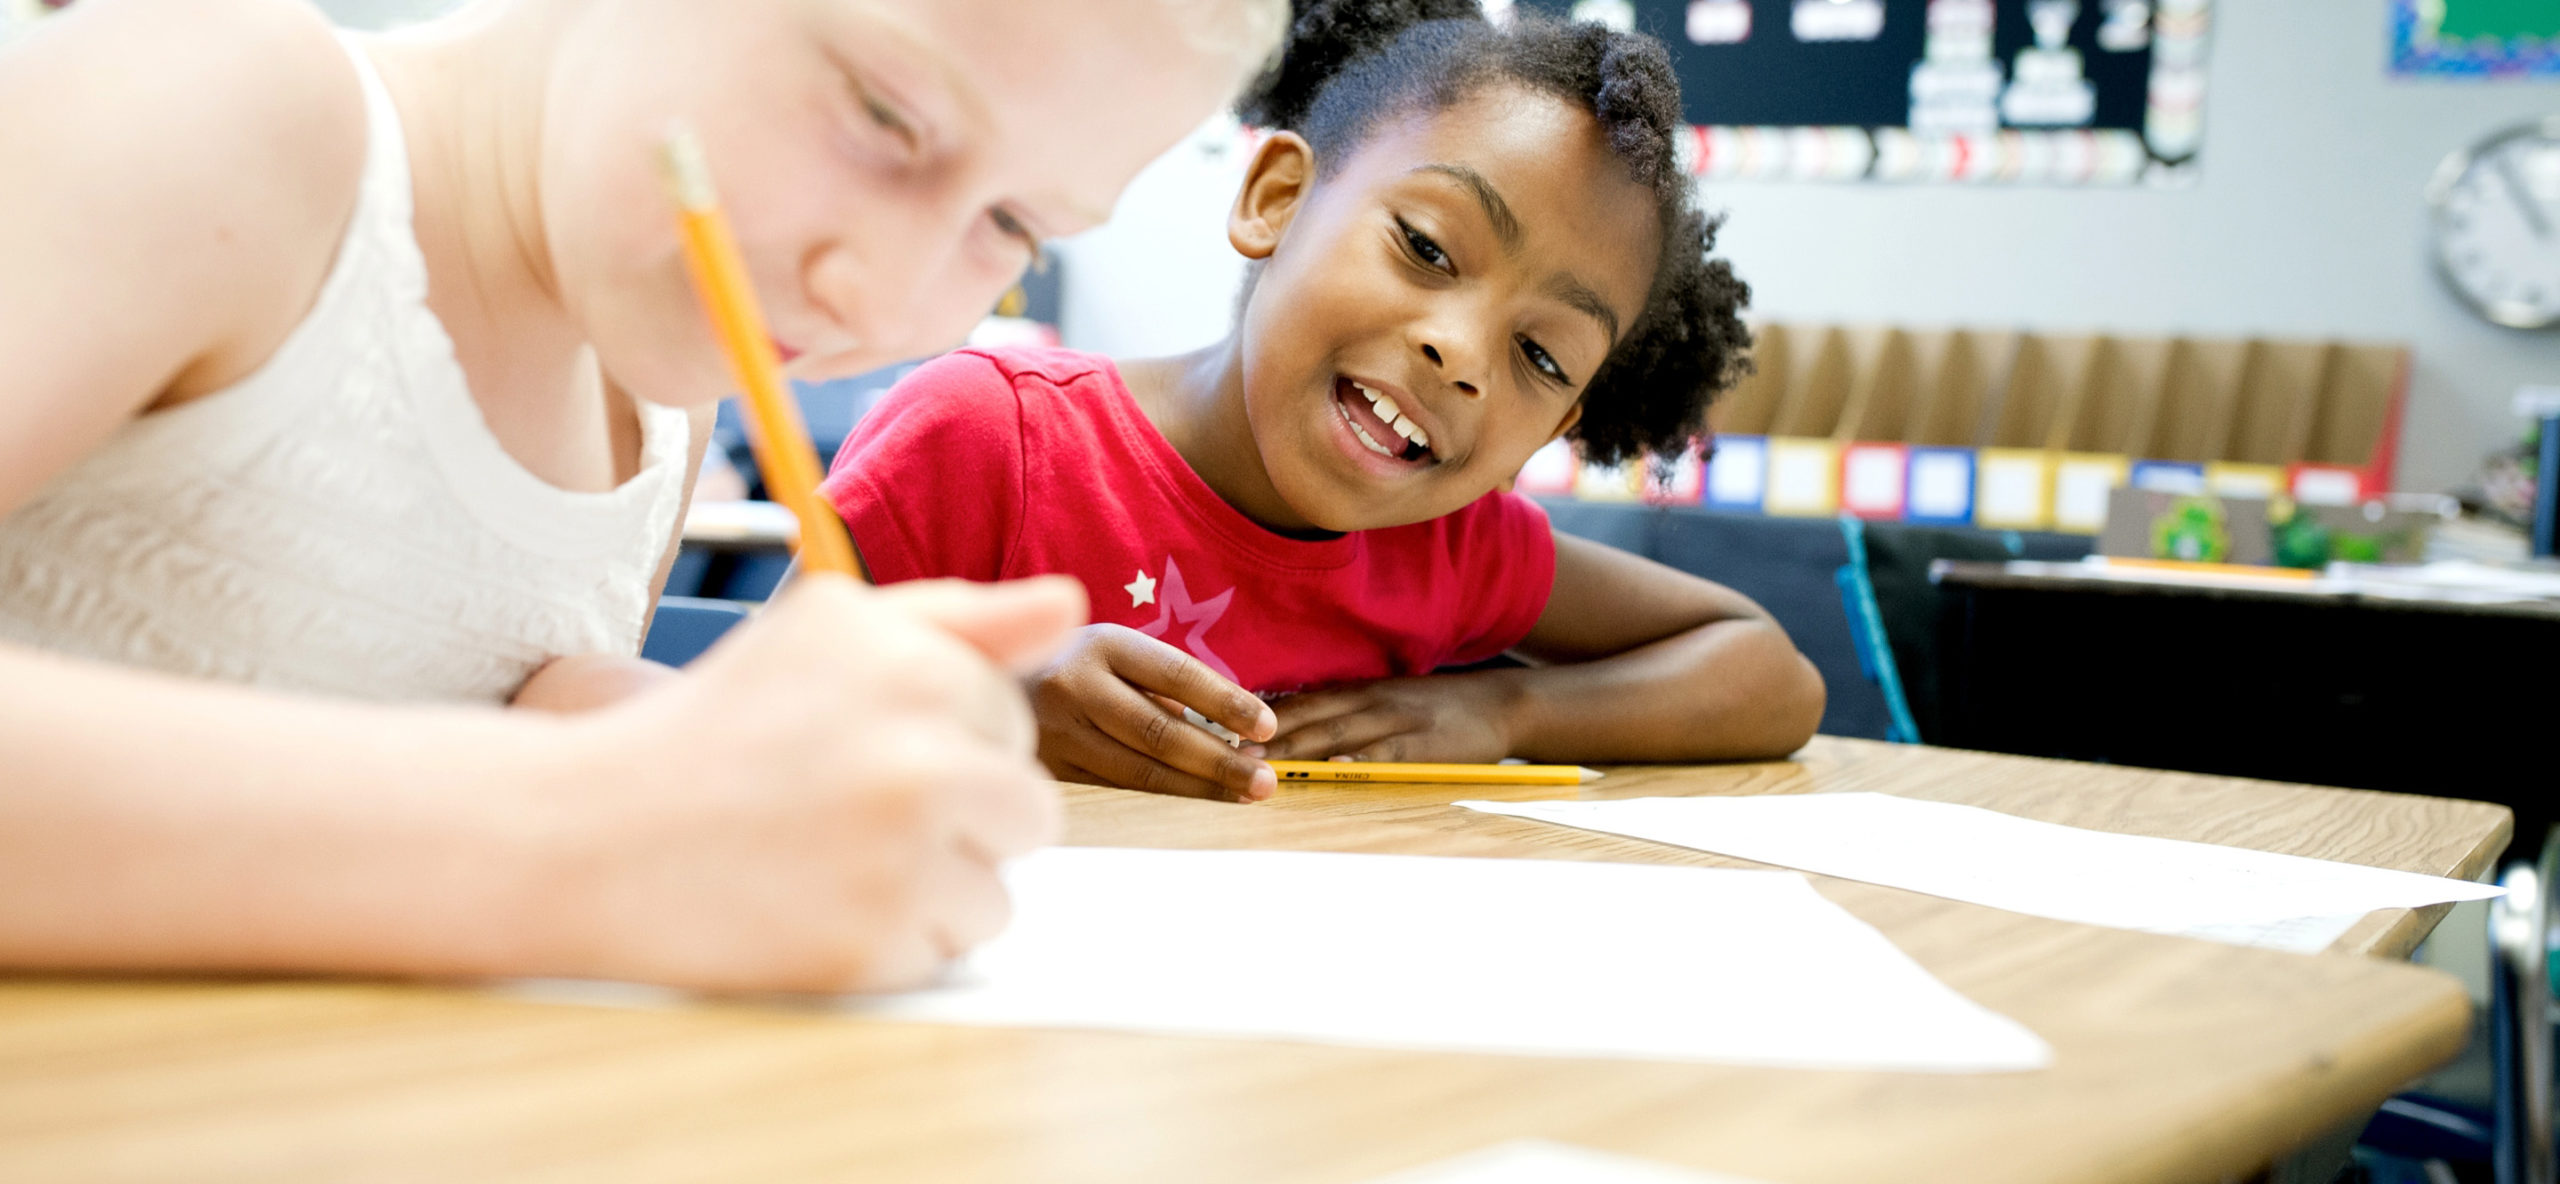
point(2307, 219)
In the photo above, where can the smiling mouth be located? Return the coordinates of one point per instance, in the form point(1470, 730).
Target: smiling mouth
point(1380, 425)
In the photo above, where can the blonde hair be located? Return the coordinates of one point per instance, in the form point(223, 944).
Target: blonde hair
point(1251, 30)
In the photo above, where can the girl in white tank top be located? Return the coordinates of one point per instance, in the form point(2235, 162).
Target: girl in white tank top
point(340, 370)
point(342, 520)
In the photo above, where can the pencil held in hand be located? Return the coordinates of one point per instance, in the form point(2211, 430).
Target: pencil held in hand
point(774, 427)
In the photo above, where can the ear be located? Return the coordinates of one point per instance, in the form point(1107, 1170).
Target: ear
point(1570, 418)
point(1275, 185)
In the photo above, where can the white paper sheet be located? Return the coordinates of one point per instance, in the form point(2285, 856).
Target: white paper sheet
point(1538, 1161)
point(1523, 957)
point(2228, 894)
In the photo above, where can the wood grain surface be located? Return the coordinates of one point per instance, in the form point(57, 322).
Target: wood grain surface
point(2175, 1060)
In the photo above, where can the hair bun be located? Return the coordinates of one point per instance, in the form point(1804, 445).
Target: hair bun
point(1324, 37)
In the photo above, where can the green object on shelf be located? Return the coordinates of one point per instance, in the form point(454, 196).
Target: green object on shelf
point(2195, 529)
point(2301, 541)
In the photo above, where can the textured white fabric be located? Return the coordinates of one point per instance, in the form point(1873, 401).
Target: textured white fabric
point(341, 521)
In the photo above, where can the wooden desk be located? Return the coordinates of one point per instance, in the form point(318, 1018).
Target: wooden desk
point(2175, 1060)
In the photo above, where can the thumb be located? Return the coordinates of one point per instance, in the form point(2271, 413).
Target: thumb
point(1018, 624)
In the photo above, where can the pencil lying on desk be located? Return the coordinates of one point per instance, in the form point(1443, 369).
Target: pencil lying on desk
point(1433, 774)
point(774, 427)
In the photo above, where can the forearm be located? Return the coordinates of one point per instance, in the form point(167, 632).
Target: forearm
point(149, 822)
point(1728, 690)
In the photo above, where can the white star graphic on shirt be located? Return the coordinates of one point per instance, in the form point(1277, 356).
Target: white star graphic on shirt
point(1141, 590)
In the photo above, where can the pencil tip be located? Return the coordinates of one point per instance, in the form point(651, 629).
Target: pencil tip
point(1589, 775)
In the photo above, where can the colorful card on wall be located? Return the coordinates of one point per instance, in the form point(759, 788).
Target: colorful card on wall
point(2475, 38)
point(2229, 479)
point(1872, 480)
point(1738, 473)
point(1804, 477)
point(1941, 489)
point(2168, 476)
point(2325, 485)
point(2014, 490)
point(2082, 482)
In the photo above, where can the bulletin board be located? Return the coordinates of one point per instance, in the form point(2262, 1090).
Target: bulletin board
point(2475, 38)
point(2037, 92)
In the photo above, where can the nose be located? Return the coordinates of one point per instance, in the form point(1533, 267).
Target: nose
point(1453, 362)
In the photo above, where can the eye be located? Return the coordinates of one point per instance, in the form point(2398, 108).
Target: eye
point(1544, 362)
point(885, 116)
point(1424, 250)
point(1012, 227)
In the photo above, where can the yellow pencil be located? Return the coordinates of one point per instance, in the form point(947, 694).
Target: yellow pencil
point(774, 427)
point(1433, 774)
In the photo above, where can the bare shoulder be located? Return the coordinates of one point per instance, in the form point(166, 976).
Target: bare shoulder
point(221, 140)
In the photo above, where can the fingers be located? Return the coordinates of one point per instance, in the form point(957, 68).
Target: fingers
point(969, 811)
point(1337, 726)
point(1143, 746)
point(895, 652)
point(1154, 666)
point(969, 903)
point(1101, 760)
point(1399, 747)
point(1005, 809)
point(1018, 624)
point(1302, 718)
point(1346, 733)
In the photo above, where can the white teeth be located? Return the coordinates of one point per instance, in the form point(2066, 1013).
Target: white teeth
point(1395, 417)
point(1370, 441)
point(1387, 409)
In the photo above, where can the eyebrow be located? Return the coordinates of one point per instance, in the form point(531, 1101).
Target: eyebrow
point(1506, 226)
point(1581, 298)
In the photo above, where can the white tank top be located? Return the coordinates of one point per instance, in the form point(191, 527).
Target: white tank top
point(342, 520)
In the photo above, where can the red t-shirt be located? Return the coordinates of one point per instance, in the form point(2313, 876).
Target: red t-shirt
point(1000, 464)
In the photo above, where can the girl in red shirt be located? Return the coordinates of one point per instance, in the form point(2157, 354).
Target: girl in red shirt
point(1469, 240)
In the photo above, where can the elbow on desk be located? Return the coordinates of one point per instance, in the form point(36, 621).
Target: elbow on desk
point(1760, 699)
point(1794, 705)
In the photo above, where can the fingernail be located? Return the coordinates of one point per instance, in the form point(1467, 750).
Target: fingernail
point(1265, 783)
point(1343, 759)
point(1255, 751)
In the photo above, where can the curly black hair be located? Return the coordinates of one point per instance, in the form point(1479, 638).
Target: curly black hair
point(1351, 63)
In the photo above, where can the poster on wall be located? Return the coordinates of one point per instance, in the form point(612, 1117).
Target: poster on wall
point(2020, 92)
point(2485, 39)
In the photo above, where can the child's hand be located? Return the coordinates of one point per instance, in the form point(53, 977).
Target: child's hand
point(1110, 713)
point(819, 804)
point(1451, 718)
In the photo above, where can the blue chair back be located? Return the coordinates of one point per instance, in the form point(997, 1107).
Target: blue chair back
point(687, 625)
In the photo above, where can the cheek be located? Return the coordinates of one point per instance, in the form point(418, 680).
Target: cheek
point(945, 304)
